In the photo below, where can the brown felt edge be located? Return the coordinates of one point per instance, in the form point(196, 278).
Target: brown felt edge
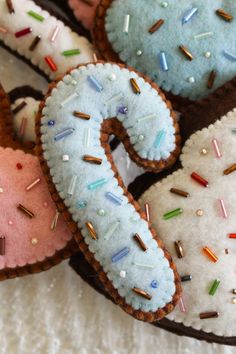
point(113, 126)
point(105, 49)
point(7, 141)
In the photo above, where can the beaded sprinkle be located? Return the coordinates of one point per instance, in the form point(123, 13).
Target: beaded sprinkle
point(216, 148)
point(25, 211)
point(135, 86)
point(10, 6)
point(214, 287)
point(210, 254)
point(199, 179)
point(36, 16)
point(91, 230)
point(156, 26)
point(163, 61)
point(23, 32)
point(140, 242)
point(189, 15)
point(186, 52)
point(2, 246)
point(70, 52)
point(81, 115)
point(230, 169)
point(113, 198)
point(34, 43)
point(19, 107)
point(179, 249)
point(206, 315)
point(126, 24)
point(111, 229)
point(33, 184)
point(92, 159)
point(50, 63)
point(95, 83)
point(121, 254)
point(142, 293)
point(179, 192)
point(224, 15)
point(173, 213)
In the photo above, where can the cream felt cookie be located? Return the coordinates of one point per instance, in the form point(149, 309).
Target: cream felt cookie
point(194, 211)
point(40, 38)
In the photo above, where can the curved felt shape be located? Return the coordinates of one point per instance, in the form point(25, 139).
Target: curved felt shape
point(183, 77)
point(65, 39)
point(194, 232)
point(84, 11)
point(114, 222)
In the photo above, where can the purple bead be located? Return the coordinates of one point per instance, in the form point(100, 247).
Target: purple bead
point(123, 110)
point(51, 123)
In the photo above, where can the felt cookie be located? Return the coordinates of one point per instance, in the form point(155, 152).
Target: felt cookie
point(73, 128)
point(84, 11)
point(40, 38)
point(25, 102)
point(197, 116)
point(186, 48)
point(33, 235)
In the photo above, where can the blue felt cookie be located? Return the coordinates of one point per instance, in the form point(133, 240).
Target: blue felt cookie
point(148, 35)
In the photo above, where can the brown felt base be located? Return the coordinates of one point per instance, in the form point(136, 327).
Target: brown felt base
point(196, 117)
point(7, 140)
point(109, 127)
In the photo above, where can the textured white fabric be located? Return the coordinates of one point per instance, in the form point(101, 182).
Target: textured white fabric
point(210, 230)
point(57, 313)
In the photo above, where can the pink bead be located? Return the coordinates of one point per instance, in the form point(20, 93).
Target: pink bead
point(223, 209)
point(182, 305)
point(216, 148)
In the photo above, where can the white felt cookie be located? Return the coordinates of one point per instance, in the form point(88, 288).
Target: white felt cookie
point(41, 38)
point(207, 220)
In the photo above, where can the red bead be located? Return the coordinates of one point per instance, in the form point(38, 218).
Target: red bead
point(50, 63)
point(199, 179)
point(232, 235)
point(19, 166)
point(23, 32)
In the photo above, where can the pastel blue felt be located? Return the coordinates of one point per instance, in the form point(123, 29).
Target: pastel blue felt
point(84, 186)
point(183, 77)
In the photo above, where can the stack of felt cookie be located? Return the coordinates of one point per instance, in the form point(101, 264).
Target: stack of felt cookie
point(169, 259)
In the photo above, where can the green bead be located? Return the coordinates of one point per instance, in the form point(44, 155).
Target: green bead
point(214, 287)
point(172, 214)
point(36, 16)
point(69, 53)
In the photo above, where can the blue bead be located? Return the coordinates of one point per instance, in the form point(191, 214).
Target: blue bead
point(119, 255)
point(82, 204)
point(113, 198)
point(163, 61)
point(189, 15)
point(51, 123)
point(123, 110)
point(154, 284)
point(63, 134)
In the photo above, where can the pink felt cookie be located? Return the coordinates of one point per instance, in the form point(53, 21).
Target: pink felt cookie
point(31, 230)
point(84, 11)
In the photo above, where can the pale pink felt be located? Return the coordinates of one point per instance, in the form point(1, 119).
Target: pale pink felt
point(84, 12)
point(16, 227)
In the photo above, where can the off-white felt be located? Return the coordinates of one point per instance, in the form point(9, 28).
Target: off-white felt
point(209, 230)
point(28, 112)
point(65, 40)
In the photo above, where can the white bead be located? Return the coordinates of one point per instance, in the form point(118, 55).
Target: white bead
point(74, 82)
point(122, 273)
point(101, 212)
point(164, 4)
point(139, 52)
point(34, 241)
point(208, 55)
point(191, 80)
point(141, 137)
point(112, 77)
point(65, 158)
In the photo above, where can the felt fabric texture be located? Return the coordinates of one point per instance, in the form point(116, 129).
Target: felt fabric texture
point(84, 11)
point(29, 112)
point(115, 225)
point(17, 228)
point(183, 77)
point(65, 40)
point(195, 232)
